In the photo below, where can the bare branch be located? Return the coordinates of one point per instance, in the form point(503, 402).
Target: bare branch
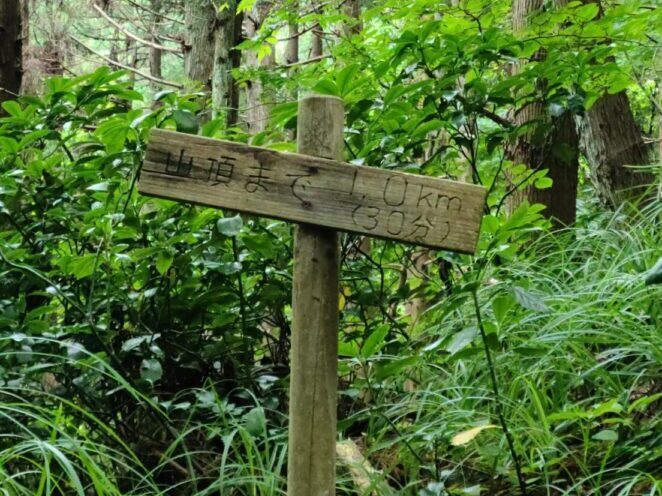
point(159, 14)
point(126, 67)
point(131, 35)
point(307, 61)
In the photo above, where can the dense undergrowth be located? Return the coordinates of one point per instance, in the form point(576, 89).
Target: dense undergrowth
point(144, 343)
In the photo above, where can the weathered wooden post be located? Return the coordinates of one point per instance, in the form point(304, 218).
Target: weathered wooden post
point(313, 371)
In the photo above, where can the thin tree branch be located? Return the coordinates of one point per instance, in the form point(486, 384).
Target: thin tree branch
point(126, 67)
point(130, 34)
point(159, 14)
point(5, 90)
point(307, 61)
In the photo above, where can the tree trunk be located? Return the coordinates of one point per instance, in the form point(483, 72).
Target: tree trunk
point(224, 94)
point(353, 9)
point(25, 38)
point(257, 114)
point(612, 141)
point(155, 54)
point(10, 49)
point(317, 47)
point(200, 41)
point(292, 50)
point(551, 143)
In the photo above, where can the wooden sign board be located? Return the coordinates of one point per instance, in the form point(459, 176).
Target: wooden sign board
point(405, 207)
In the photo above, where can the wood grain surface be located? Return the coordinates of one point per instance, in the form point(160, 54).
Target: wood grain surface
point(411, 208)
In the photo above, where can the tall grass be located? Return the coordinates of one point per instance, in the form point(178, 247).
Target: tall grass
point(578, 364)
point(578, 360)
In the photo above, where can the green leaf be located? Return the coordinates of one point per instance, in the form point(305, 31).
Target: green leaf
point(133, 343)
point(587, 12)
point(151, 370)
point(326, 87)
point(556, 110)
point(245, 5)
point(606, 435)
point(642, 403)
point(654, 275)
point(112, 134)
point(374, 342)
point(98, 187)
point(163, 261)
point(465, 437)
point(228, 268)
point(83, 266)
point(501, 305)
point(165, 94)
point(461, 340)
point(255, 422)
point(426, 128)
point(12, 108)
point(543, 183)
point(345, 78)
point(528, 300)
point(230, 226)
point(393, 367)
point(186, 121)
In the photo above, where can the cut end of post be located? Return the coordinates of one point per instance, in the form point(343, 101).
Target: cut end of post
point(318, 131)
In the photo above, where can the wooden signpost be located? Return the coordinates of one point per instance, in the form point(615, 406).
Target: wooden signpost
point(323, 195)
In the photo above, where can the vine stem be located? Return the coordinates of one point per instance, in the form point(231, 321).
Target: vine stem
point(497, 397)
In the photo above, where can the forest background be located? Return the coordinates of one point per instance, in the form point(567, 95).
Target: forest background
point(144, 343)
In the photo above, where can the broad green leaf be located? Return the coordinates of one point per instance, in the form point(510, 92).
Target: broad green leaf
point(229, 268)
point(133, 343)
point(644, 402)
point(345, 79)
point(163, 261)
point(255, 422)
point(83, 266)
point(374, 342)
point(186, 121)
point(112, 134)
point(150, 370)
point(501, 305)
point(461, 340)
point(12, 108)
point(326, 87)
point(528, 300)
point(348, 349)
point(98, 187)
point(654, 275)
point(165, 94)
point(543, 183)
point(465, 437)
point(230, 226)
point(394, 367)
point(606, 435)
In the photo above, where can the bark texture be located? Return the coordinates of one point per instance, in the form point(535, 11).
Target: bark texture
point(225, 98)
point(257, 114)
point(200, 30)
point(317, 47)
point(292, 49)
point(551, 143)
point(155, 54)
point(352, 9)
point(10, 49)
point(612, 141)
